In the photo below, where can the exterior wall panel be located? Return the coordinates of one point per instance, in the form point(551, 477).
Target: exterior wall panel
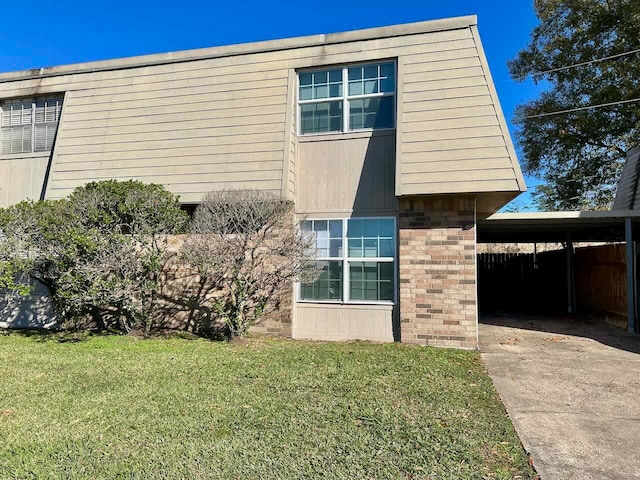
point(317, 321)
point(347, 174)
point(22, 177)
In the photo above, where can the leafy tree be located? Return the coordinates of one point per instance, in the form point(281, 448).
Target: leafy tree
point(579, 154)
point(100, 252)
point(246, 246)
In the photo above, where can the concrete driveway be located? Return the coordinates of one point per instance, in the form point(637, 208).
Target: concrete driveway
point(572, 390)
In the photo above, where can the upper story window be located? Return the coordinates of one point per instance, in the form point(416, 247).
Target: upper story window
point(29, 124)
point(354, 97)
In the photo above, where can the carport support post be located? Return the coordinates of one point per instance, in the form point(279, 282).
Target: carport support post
point(571, 277)
point(631, 277)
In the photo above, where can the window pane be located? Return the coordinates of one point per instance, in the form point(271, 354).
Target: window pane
point(387, 70)
point(328, 286)
point(387, 85)
point(305, 79)
point(355, 88)
point(371, 238)
point(354, 228)
point(325, 236)
point(335, 76)
point(371, 281)
point(386, 227)
point(370, 228)
point(386, 247)
point(335, 228)
point(371, 86)
point(371, 113)
point(335, 247)
point(320, 77)
point(321, 91)
point(371, 71)
point(370, 247)
point(355, 73)
point(321, 117)
point(355, 247)
point(306, 93)
point(18, 118)
point(319, 85)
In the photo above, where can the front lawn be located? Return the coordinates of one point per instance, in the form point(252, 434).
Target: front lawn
point(120, 407)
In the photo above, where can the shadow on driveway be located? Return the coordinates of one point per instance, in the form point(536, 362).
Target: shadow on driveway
point(572, 389)
point(564, 325)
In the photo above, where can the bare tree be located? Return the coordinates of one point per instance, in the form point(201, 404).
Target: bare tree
point(248, 247)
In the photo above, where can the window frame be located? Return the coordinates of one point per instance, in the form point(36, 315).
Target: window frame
point(60, 98)
point(347, 260)
point(346, 114)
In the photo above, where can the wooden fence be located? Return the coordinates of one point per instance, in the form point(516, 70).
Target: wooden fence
point(601, 283)
point(522, 282)
point(525, 282)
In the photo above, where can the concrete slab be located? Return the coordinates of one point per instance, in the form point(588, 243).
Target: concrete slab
point(572, 389)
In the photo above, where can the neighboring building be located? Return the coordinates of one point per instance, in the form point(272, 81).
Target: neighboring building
point(391, 141)
point(628, 190)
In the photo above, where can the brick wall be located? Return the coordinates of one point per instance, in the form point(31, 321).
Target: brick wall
point(437, 266)
point(186, 302)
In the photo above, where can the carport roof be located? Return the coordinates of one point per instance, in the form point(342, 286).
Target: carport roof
point(541, 227)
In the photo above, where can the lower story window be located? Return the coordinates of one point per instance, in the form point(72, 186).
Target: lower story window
point(356, 258)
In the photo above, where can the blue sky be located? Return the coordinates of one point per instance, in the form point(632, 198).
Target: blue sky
point(82, 31)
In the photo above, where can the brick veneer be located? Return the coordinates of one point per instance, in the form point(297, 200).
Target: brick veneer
point(438, 271)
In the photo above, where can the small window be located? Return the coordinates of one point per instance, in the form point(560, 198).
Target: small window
point(356, 257)
point(29, 124)
point(356, 97)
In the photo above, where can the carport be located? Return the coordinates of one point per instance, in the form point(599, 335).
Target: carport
point(622, 226)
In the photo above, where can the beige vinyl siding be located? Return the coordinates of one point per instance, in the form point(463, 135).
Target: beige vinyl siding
point(324, 321)
point(216, 123)
point(353, 173)
point(226, 117)
point(452, 136)
point(22, 177)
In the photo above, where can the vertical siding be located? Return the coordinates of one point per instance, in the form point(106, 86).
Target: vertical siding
point(319, 321)
point(352, 174)
point(22, 177)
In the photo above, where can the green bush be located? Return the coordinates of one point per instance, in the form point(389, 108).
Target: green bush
point(100, 251)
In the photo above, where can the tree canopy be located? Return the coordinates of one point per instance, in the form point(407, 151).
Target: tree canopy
point(579, 154)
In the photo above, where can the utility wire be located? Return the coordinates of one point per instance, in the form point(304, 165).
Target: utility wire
point(611, 57)
point(559, 112)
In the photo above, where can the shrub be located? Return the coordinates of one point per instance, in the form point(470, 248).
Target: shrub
point(100, 252)
point(248, 247)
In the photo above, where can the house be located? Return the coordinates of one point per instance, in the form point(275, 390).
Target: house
point(390, 141)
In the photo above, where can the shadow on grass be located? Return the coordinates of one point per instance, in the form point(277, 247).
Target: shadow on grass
point(75, 336)
point(60, 336)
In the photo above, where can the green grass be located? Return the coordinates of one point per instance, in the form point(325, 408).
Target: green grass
point(120, 407)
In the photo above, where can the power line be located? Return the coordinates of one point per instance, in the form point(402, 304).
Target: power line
point(611, 57)
point(559, 112)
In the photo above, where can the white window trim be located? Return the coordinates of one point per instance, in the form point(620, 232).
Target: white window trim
point(345, 97)
point(346, 260)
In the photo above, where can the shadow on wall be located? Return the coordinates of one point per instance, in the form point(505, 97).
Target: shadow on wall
point(34, 311)
point(376, 179)
point(375, 191)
